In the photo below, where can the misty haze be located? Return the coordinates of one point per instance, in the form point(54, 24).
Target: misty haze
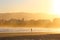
point(29, 19)
point(28, 24)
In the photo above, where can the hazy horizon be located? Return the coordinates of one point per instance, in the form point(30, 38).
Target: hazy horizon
point(27, 16)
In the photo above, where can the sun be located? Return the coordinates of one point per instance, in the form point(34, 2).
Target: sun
point(55, 8)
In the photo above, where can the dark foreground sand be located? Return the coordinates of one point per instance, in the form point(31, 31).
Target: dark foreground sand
point(33, 37)
point(29, 36)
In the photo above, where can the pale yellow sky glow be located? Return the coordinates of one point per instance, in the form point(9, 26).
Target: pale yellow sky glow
point(33, 6)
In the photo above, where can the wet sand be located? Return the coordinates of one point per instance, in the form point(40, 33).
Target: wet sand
point(22, 34)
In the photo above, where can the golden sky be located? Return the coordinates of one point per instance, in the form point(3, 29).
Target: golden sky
point(31, 6)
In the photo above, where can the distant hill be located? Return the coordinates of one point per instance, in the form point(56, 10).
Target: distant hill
point(26, 16)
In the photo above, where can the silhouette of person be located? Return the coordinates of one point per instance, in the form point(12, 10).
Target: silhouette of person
point(31, 29)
